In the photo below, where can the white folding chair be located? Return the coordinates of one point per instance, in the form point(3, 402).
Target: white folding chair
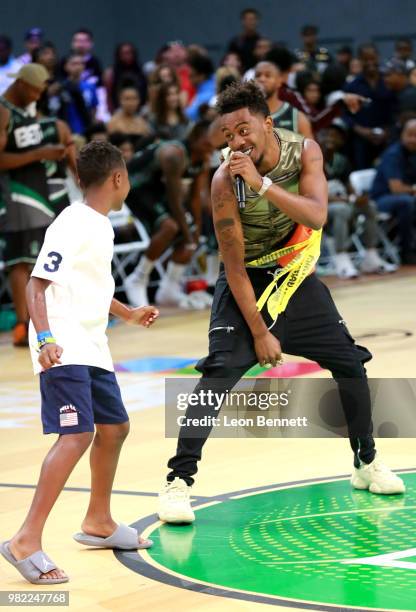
point(126, 254)
point(361, 182)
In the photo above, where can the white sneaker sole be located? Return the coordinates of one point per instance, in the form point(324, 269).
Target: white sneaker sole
point(374, 487)
point(176, 518)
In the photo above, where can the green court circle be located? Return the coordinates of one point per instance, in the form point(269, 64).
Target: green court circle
point(298, 543)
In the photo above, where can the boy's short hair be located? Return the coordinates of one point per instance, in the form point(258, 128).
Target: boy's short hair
point(96, 161)
point(245, 94)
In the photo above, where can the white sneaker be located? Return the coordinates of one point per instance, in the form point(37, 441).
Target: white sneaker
point(374, 264)
point(190, 302)
point(169, 293)
point(174, 503)
point(377, 478)
point(344, 266)
point(203, 297)
point(136, 291)
point(197, 300)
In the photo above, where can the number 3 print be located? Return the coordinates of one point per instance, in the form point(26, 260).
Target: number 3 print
point(53, 265)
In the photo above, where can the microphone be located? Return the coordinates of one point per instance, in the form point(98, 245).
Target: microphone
point(241, 191)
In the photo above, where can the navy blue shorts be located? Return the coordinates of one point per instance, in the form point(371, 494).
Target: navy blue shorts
point(74, 397)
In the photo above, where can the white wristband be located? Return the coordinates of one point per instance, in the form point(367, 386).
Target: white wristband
point(266, 183)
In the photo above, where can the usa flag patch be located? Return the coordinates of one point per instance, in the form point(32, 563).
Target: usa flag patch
point(68, 416)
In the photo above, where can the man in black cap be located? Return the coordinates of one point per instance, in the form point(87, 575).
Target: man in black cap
point(33, 40)
point(396, 79)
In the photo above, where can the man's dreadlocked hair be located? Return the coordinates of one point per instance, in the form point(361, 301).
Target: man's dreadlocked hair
point(245, 94)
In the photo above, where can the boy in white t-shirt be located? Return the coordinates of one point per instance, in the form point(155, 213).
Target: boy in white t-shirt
point(69, 297)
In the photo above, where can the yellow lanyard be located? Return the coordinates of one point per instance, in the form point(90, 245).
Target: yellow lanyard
point(296, 270)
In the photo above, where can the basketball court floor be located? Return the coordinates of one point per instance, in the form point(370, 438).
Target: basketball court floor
point(277, 522)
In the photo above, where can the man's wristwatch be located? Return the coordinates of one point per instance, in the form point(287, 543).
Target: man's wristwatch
point(265, 184)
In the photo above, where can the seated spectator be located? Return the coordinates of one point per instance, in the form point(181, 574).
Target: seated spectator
point(342, 211)
point(343, 58)
point(394, 188)
point(355, 69)
point(47, 56)
point(396, 79)
point(403, 51)
point(310, 89)
point(232, 60)
point(203, 79)
point(224, 76)
point(125, 144)
point(163, 73)
point(82, 44)
point(97, 131)
point(167, 118)
point(8, 63)
point(78, 98)
point(128, 121)
point(333, 80)
point(370, 124)
point(125, 71)
point(33, 40)
point(175, 55)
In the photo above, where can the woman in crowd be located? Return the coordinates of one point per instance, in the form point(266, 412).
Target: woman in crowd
point(128, 121)
point(163, 73)
point(310, 90)
point(126, 71)
point(167, 117)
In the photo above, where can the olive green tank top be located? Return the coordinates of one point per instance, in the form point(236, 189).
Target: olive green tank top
point(264, 225)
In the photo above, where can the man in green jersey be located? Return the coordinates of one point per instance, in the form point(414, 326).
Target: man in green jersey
point(26, 208)
point(269, 79)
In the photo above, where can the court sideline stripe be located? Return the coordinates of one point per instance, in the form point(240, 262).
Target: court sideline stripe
point(11, 485)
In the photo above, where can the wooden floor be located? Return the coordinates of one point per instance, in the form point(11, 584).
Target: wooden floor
point(381, 312)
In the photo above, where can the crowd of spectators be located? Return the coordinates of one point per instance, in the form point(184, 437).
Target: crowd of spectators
point(360, 107)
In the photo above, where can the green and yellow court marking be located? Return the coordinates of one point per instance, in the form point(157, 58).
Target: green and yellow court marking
point(310, 545)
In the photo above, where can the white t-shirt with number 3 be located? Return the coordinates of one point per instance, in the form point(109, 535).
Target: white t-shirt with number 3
point(76, 256)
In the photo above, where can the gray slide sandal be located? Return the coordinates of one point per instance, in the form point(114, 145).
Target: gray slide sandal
point(124, 538)
point(33, 566)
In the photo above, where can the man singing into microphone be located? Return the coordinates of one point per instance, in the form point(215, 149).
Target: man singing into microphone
point(280, 225)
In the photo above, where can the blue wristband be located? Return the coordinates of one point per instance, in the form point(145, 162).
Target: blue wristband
point(44, 334)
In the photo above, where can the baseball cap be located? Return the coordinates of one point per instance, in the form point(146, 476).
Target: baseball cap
point(33, 33)
point(394, 65)
point(32, 74)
